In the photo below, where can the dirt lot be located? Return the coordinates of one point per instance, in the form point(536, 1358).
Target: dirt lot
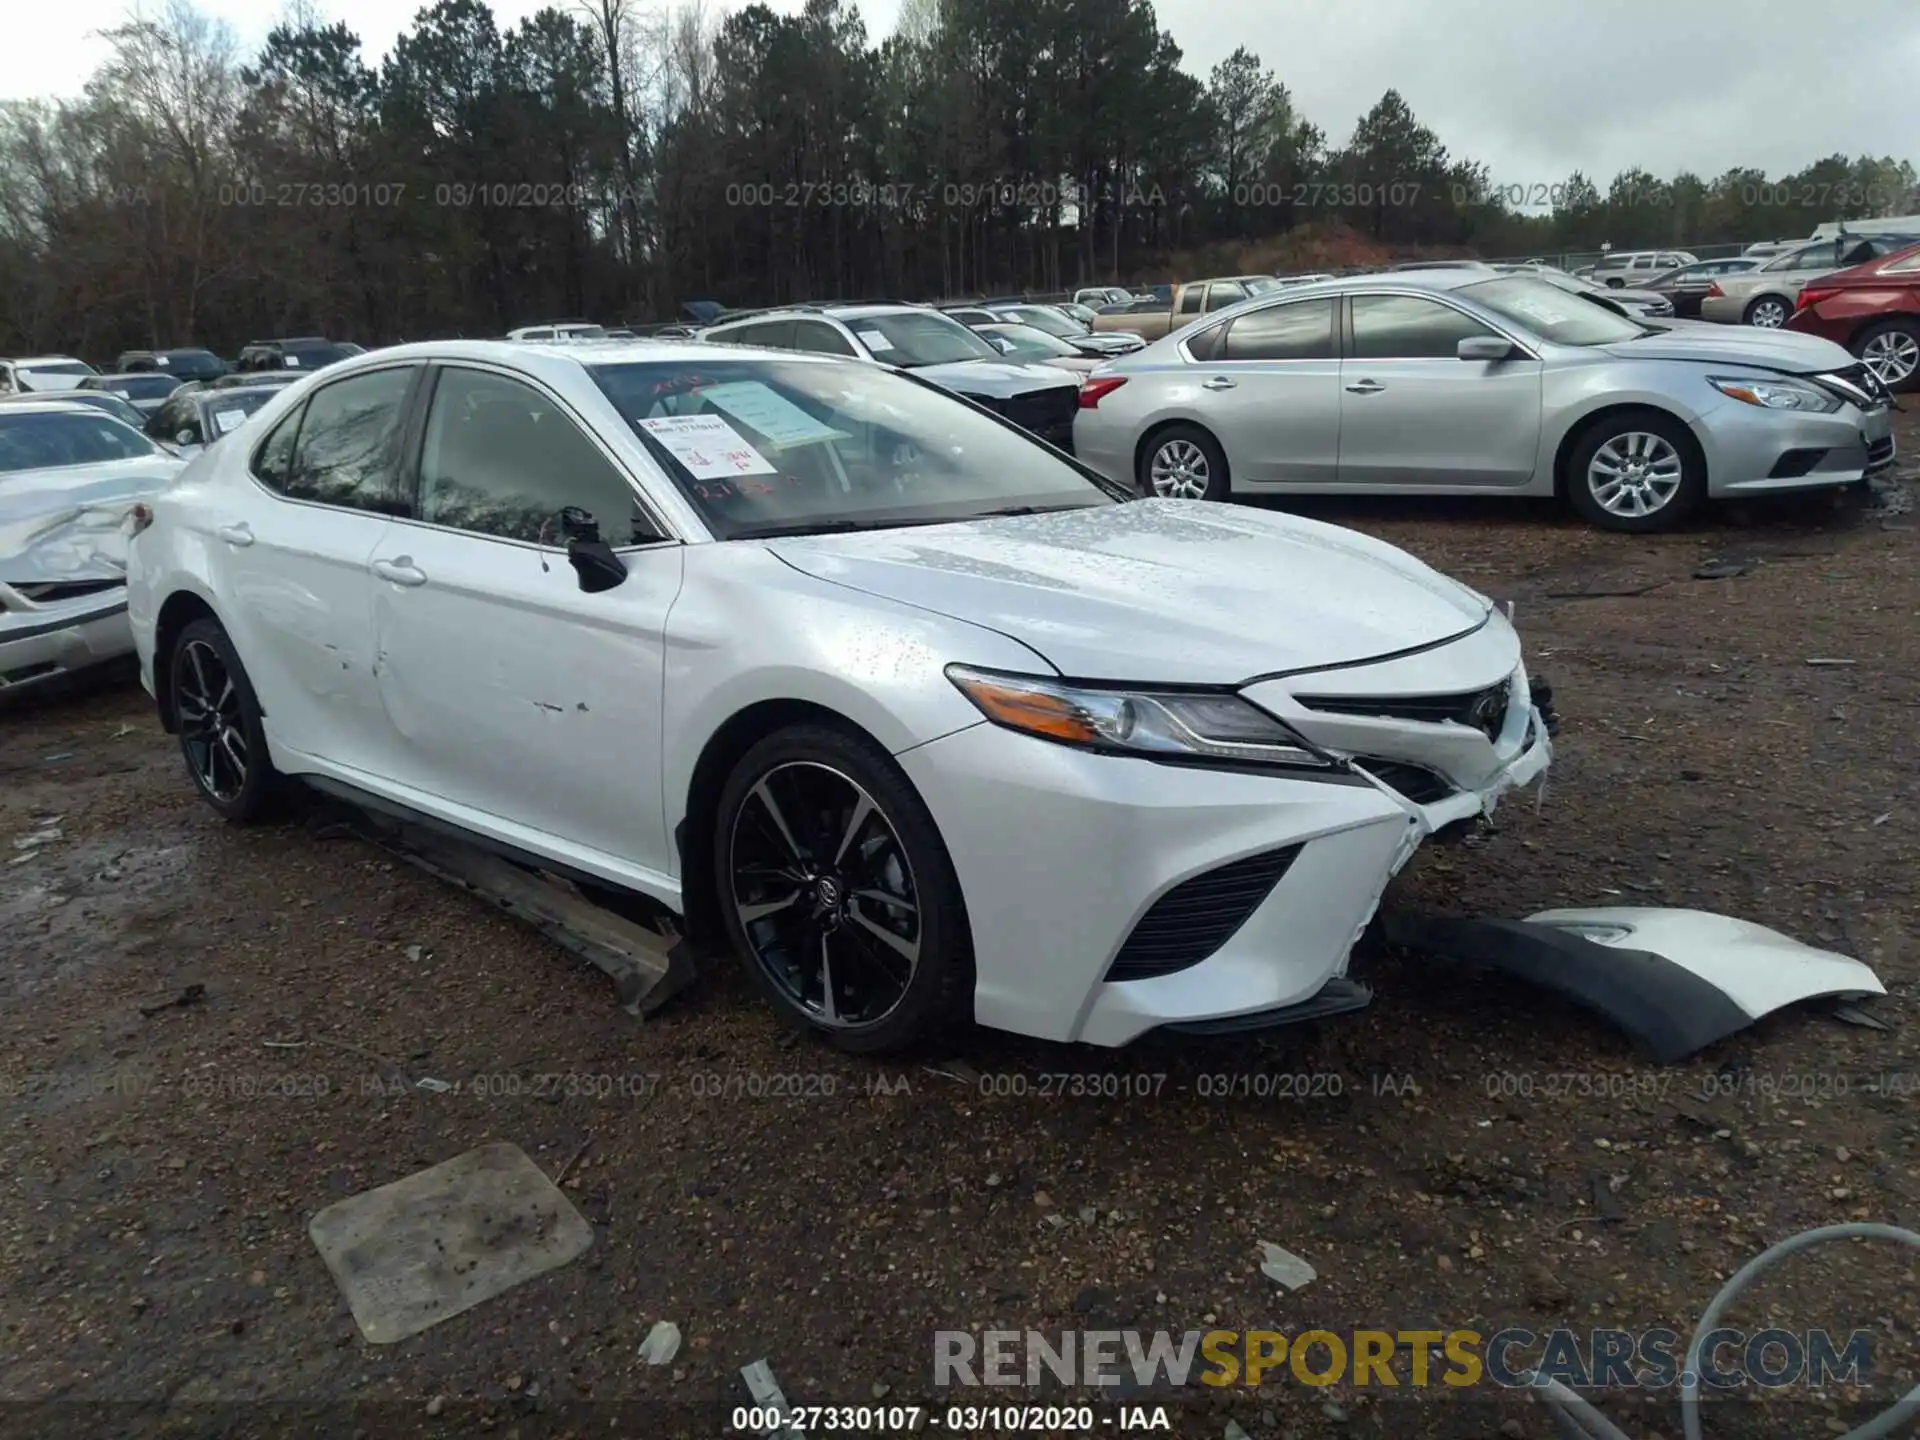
point(1442, 1173)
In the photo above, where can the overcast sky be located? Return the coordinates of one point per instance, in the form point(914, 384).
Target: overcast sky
point(1533, 88)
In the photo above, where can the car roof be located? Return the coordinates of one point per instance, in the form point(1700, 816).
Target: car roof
point(38, 405)
point(45, 360)
point(549, 357)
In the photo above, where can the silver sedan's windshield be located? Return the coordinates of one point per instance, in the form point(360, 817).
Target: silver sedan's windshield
point(41, 440)
point(764, 447)
point(1550, 312)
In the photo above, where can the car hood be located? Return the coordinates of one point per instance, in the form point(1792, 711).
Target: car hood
point(1159, 591)
point(1737, 345)
point(997, 379)
point(65, 524)
point(1636, 297)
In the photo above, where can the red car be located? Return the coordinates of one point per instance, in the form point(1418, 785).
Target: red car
point(1873, 310)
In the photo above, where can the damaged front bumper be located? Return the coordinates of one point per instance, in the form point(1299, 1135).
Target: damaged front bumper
point(45, 633)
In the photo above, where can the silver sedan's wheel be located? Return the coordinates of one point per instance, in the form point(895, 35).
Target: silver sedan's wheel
point(1180, 470)
point(1893, 355)
point(1635, 474)
point(825, 894)
point(1769, 313)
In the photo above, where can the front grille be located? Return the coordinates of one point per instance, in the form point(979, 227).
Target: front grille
point(1862, 382)
point(1482, 710)
point(1198, 916)
point(51, 592)
point(1047, 413)
point(1419, 784)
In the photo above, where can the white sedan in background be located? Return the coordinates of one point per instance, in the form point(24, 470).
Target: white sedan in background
point(918, 717)
point(69, 475)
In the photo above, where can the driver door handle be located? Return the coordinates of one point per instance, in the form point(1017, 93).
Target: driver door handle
point(1365, 387)
point(235, 534)
point(401, 571)
point(1217, 382)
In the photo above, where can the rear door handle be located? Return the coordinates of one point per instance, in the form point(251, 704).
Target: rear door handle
point(1217, 382)
point(235, 534)
point(1365, 387)
point(401, 571)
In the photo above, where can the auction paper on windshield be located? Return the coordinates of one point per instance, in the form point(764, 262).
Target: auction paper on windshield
point(769, 414)
point(708, 446)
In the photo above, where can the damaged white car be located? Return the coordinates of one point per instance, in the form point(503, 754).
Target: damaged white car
point(68, 476)
point(916, 715)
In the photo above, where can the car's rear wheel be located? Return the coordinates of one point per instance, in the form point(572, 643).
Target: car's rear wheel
point(838, 894)
point(1891, 350)
point(1638, 472)
point(217, 717)
point(1769, 312)
point(1184, 462)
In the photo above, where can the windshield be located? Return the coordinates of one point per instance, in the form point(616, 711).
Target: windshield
point(1051, 321)
point(1802, 259)
point(1545, 310)
point(194, 364)
point(313, 357)
point(762, 447)
point(1028, 342)
point(912, 338)
point(224, 410)
point(107, 404)
point(582, 332)
point(45, 441)
point(139, 387)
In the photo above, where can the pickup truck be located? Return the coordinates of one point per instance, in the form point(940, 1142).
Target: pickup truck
point(1152, 319)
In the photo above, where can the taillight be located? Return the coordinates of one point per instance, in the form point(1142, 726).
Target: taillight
point(1813, 297)
point(1095, 388)
point(1714, 292)
point(139, 517)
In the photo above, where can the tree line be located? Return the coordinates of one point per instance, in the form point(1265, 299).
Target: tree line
point(608, 161)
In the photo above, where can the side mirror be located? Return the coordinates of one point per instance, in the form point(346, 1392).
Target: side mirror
point(592, 558)
point(1484, 347)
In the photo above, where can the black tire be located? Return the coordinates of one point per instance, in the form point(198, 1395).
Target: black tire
point(896, 851)
point(1910, 330)
point(1683, 500)
point(242, 792)
point(1614, 282)
point(1768, 305)
point(1218, 480)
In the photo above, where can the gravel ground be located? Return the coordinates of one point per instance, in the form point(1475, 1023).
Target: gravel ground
point(1446, 1167)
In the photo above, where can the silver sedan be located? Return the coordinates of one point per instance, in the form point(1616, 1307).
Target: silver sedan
point(1457, 382)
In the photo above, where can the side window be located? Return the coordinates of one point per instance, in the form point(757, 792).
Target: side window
point(1224, 294)
point(1408, 327)
point(1190, 299)
point(275, 455)
point(348, 449)
point(502, 459)
point(1300, 331)
point(1905, 266)
point(820, 338)
point(1206, 345)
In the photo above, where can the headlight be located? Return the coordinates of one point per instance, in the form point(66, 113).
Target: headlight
point(1177, 725)
point(1778, 395)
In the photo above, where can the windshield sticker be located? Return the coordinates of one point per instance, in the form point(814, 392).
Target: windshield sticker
point(874, 340)
point(770, 414)
point(708, 446)
point(293, 362)
point(225, 420)
point(123, 394)
point(1541, 311)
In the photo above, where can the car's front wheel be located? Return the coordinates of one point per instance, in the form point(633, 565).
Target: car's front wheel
point(1891, 350)
point(1769, 312)
point(1638, 471)
point(217, 717)
point(1184, 462)
point(838, 894)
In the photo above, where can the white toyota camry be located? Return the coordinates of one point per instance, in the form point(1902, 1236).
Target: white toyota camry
point(913, 713)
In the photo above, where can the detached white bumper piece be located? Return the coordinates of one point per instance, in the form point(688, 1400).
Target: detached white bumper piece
point(1675, 981)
